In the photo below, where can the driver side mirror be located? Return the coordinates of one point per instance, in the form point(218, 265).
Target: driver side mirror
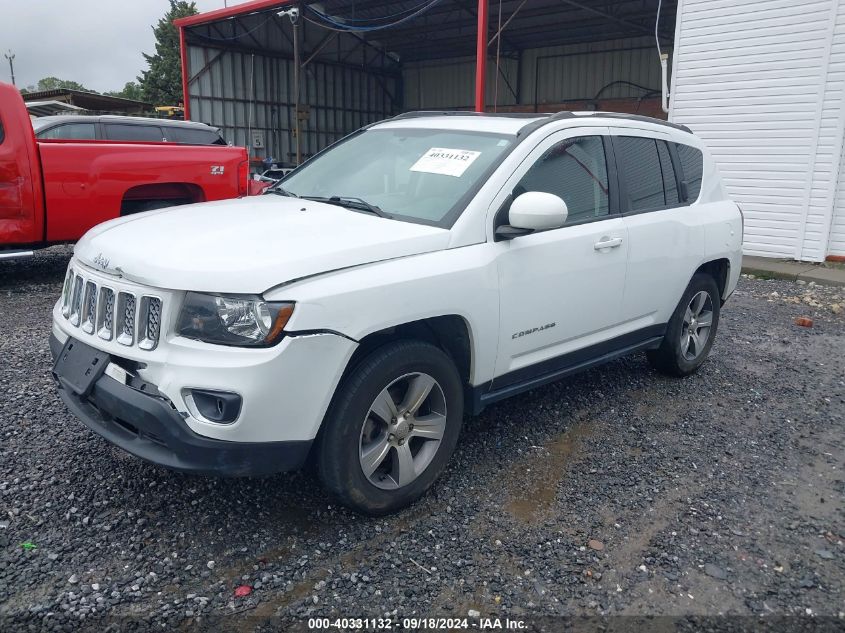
point(533, 211)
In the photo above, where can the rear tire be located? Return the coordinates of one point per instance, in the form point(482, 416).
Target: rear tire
point(691, 330)
point(391, 428)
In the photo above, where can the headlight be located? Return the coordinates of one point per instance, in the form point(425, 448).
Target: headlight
point(242, 321)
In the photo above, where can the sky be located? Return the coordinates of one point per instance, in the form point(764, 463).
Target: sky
point(95, 42)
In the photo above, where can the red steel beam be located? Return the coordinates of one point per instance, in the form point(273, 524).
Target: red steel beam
point(481, 55)
point(183, 54)
point(230, 12)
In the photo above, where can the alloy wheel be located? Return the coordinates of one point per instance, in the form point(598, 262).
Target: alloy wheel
point(698, 321)
point(402, 431)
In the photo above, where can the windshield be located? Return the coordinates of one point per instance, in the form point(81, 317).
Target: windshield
point(421, 175)
point(37, 124)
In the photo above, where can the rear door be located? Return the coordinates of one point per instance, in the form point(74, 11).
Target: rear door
point(666, 236)
point(139, 132)
point(21, 209)
point(78, 130)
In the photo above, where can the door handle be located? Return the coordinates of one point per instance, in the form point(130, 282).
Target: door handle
point(608, 242)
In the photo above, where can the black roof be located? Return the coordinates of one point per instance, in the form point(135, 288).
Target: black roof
point(445, 30)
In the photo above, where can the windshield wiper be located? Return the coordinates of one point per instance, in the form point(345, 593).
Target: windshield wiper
point(280, 191)
point(351, 202)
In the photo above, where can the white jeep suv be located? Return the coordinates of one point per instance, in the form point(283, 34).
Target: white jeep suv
point(418, 270)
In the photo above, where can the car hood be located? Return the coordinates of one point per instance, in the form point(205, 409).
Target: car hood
point(248, 245)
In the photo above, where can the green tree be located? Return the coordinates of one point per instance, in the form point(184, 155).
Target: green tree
point(131, 90)
point(161, 83)
point(53, 83)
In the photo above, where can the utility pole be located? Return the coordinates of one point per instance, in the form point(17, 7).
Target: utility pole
point(11, 57)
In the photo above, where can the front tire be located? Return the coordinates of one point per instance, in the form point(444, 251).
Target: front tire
point(391, 427)
point(691, 330)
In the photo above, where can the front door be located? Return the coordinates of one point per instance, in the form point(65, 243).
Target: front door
point(561, 290)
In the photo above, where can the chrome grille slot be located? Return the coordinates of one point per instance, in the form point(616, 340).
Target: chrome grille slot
point(105, 314)
point(89, 307)
point(125, 318)
point(76, 301)
point(67, 292)
point(149, 324)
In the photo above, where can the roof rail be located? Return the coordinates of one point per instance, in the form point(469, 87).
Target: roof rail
point(642, 119)
point(511, 115)
point(544, 117)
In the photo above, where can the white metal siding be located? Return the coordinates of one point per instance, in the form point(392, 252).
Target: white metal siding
point(826, 169)
point(835, 105)
point(749, 79)
point(837, 230)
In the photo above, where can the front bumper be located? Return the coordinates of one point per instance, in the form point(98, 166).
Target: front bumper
point(148, 427)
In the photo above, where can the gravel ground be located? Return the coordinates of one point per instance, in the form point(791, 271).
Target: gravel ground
point(616, 493)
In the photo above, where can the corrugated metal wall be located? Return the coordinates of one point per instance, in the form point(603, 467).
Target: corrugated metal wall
point(549, 75)
point(750, 80)
point(579, 71)
point(447, 85)
point(248, 94)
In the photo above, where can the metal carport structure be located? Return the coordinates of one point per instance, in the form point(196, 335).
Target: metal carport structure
point(286, 84)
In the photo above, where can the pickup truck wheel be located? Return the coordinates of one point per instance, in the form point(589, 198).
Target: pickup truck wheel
point(391, 427)
point(691, 329)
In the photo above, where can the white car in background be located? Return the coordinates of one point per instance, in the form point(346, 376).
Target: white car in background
point(420, 269)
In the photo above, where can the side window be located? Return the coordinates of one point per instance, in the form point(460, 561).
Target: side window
point(640, 163)
point(78, 131)
point(670, 183)
point(692, 164)
point(576, 171)
point(129, 132)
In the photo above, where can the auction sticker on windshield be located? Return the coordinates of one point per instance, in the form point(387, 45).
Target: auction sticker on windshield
point(445, 161)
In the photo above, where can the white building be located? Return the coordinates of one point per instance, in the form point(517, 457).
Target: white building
point(763, 83)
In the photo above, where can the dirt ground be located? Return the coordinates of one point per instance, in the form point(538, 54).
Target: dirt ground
point(616, 500)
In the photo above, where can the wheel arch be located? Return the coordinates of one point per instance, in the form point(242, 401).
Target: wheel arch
point(136, 197)
point(449, 332)
point(720, 270)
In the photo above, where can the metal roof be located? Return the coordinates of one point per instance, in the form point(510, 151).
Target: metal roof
point(48, 108)
point(446, 30)
point(86, 100)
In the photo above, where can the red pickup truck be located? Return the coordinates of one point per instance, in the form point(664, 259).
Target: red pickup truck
point(53, 191)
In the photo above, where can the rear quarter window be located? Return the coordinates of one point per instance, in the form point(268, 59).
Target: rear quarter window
point(692, 165)
point(192, 137)
point(129, 132)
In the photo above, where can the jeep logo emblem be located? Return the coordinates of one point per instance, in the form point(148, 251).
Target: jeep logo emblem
point(102, 262)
